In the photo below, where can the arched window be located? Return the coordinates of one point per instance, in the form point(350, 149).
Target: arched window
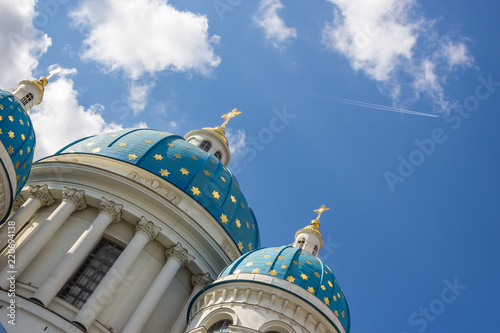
point(26, 99)
point(220, 326)
point(206, 145)
point(315, 251)
point(218, 154)
point(301, 243)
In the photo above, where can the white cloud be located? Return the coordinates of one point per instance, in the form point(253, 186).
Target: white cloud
point(144, 37)
point(238, 143)
point(393, 44)
point(60, 119)
point(274, 26)
point(22, 44)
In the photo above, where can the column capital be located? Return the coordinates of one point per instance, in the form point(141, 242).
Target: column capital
point(201, 280)
point(180, 254)
point(74, 196)
point(42, 193)
point(147, 228)
point(18, 202)
point(112, 209)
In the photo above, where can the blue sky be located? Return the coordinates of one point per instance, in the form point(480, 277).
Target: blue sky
point(414, 199)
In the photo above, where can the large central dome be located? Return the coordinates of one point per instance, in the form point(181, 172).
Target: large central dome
point(196, 172)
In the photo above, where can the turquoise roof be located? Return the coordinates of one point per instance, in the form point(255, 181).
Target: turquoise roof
point(191, 169)
point(297, 267)
point(17, 136)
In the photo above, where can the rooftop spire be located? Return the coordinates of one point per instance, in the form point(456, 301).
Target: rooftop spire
point(230, 115)
point(310, 239)
point(30, 92)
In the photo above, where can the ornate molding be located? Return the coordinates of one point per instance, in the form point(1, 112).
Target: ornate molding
point(201, 281)
point(155, 185)
point(18, 202)
point(228, 249)
point(179, 254)
point(147, 228)
point(112, 209)
point(74, 196)
point(42, 193)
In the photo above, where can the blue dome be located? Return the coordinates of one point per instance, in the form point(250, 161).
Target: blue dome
point(297, 267)
point(191, 169)
point(17, 136)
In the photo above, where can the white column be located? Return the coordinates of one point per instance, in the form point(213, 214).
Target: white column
point(72, 200)
point(177, 258)
point(198, 282)
point(145, 231)
point(39, 196)
point(109, 212)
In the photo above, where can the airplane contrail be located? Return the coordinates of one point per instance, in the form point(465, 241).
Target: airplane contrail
point(374, 106)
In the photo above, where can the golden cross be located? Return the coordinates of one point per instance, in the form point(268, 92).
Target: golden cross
point(320, 211)
point(230, 115)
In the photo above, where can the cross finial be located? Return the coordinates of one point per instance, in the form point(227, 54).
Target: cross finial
point(230, 115)
point(320, 211)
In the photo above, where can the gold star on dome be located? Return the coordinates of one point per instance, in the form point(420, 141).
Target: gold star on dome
point(336, 313)
point(335, 298)
point(248, 225)
point(187, 147)
point(196, 191)
point(327, 301)
point(138, 134)
point(250, 246)
point(223, 179)
point(240, 245)
point(338, 295)
point(18, 177)
point(170, 145)
point(308, 262)
point(266, 256)
point(303, 276)
point(17, 164)
point(114, 135)
point(256, 271)
point(273, 272)
point(216, 195)
point(158, 157)
point(249, 264)
point(330, 284)
point(284, 266)
point(11, 150)
point(242, 205)
point(223, 218)
point(11, 118)
point(296, 262)
point(21, 152)
point(194, 157)
point(164, 172)
point(206, 173)
point(233, 199)
point(96, 150)
point(148, 141)
point(281, 257)
point(269, 263)
point(23, 137)
point(11, 135)
point(342, 314)
point(1, 131)
point(1, 107)
point(177, 156)
point(323, 287)
point(90, 144)
point(238, 224)
point(184, 171)
point(21, 122)
point(122, 144)
point(290, 279)
point(311, 290)
point(132, 157)
point(29, 150)
point(317, 274)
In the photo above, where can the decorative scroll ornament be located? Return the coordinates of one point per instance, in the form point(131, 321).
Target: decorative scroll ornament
point(147, 228)
point(18, 202)
point(112, 209)
point(42, 193)
point(155, 185)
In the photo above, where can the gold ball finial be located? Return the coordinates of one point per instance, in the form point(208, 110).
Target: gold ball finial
point(43, 81)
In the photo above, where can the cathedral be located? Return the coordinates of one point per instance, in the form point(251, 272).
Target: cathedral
point(146, 231)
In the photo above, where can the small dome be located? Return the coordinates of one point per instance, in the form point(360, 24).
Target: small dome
point(191, 169)
point(18, 141)
point(299, 268)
